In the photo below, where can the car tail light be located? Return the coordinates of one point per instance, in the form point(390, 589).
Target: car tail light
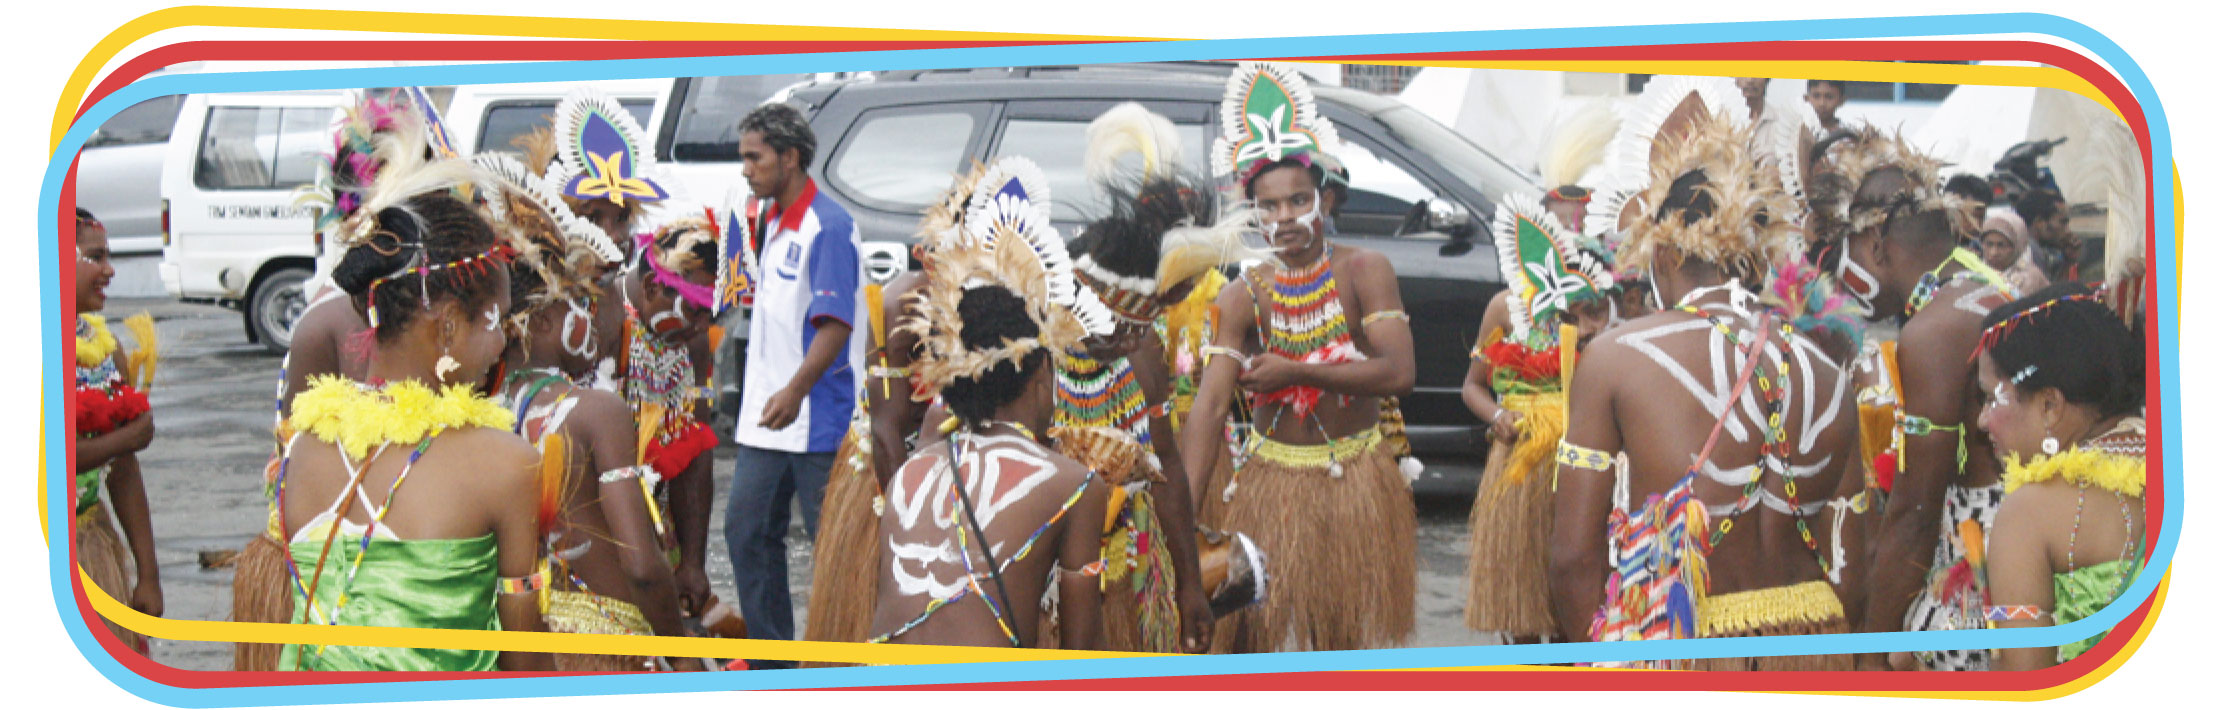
point(165, 222)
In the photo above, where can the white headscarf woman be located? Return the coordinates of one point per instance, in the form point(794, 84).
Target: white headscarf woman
point(2004, 248)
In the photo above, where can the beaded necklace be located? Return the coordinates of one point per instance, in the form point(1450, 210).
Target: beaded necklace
point(1932, 282)
point(1093, 393)
point(1306, 309)
point(657, 372)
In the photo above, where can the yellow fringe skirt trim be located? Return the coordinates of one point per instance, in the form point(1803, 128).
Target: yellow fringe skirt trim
point(1318, 456)
point(1541, 426)
point(1807, 603)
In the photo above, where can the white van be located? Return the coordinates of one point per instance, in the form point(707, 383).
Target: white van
point(486, 117)
point(237, 235)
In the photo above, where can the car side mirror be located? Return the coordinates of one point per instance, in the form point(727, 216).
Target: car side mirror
point(1448, 217)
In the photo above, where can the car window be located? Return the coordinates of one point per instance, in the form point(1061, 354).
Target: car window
point(1060, 148)
point(903, 159)
point(262, 147)
point(1381, 193)
point(144, 122)
point(707, 119)
point(506, 120)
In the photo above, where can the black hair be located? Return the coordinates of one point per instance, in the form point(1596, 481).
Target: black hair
point(1971, 187)
point(1317, 174)
point(431, 228)
point(85, 216)
point(1129, 241)
point(2077, 346)
point(991, 316)
point(1840, 87)
point(783, 128)
point(1688, 197)
point(2038, 205)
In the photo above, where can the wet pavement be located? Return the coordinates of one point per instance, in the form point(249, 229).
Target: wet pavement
point(213, 408)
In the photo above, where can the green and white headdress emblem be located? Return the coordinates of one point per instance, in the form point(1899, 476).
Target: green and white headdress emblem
point(1546, 266)
point(1268, 115)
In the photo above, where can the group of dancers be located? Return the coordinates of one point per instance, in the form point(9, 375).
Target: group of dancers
point(1178, 431)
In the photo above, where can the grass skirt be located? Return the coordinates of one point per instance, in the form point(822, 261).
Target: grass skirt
point(1507, 576)
point(100, 551)
point(844, 585)
point(261, 592)
point(571, 612)
point(1342, 552)
point(1212, 513)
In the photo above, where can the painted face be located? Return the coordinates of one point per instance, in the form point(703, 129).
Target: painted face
point(2013, 420)
point(671, 317)
point(479, 339)
point(765, 168)
point(1859, 278)
point(93, 269)
point(610, 218)
point(1574, 215)
point(1293, 209)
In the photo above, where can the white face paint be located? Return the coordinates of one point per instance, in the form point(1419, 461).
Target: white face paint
point(1308, 219)
point(1998, 397)
point(86, 260)
point(493, 317)
point(578, 332)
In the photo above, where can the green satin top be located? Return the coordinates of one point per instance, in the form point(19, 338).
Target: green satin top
point(2082, 592)
point(426, 584)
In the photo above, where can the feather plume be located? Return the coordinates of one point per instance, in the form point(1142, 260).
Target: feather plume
point(1806, 298)
point(1131, 129)
point(1576, 146)
point(142, 359)
point(554, 470)
point(1840, 168)
point(1666, 107)
point(1007, 258)
point(1190, 250)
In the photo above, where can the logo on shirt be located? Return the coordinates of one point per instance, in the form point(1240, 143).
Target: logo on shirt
point(791, 269)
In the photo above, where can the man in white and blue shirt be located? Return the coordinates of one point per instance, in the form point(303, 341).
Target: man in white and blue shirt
point(803, 363)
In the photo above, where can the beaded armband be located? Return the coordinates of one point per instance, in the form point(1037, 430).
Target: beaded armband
point(1211, 351)
point(883, 372)
point(1377, 316)
point(2014, 612)
point(1582, 457)
point(1921, 426)
point(641, 471)
point(528, 584)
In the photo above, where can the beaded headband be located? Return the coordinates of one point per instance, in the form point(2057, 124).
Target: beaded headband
point(1995, 333)
point(472, 266)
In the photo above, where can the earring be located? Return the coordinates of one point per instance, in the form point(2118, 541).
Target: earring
point(446, 362)
point(2050, 445)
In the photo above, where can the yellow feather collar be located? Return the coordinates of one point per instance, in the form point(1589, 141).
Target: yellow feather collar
point(2082, 466)
point(90, 352)
point(338, 411)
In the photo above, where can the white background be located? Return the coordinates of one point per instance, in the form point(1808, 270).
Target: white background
point(2173, 49)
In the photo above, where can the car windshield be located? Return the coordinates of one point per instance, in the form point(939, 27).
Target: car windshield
point(1484, 172)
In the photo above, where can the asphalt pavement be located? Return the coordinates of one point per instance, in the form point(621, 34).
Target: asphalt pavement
point(213, 409)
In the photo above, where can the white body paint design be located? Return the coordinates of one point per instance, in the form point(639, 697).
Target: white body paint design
point(925, 508)
point(1970, 302)
point(493, 317)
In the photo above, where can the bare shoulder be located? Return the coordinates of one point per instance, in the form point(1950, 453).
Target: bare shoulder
point(494, 451)
point(599, 406)
point(1359, 260)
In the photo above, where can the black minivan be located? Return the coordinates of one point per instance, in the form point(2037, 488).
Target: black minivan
point(890, 142)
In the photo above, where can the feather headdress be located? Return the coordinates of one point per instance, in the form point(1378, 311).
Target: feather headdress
point(562, 249)
point(1665, 108)
point(1267, 115)
point(737, 271)
point(1009, 257)
point(1010, 201)
point(602, 153)
point(1158, 234)
point(944, 220)
point(1744, 228)
point(345, 175)
point(1841, 201)
point(1546, 266)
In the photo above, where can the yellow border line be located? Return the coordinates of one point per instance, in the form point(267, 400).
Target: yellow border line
point(549, 642)
point(571, 28)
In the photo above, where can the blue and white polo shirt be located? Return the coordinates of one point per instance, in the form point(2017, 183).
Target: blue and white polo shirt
point(812, 271)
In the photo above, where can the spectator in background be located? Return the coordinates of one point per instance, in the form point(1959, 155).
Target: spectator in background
point(2057, 249)
point(1825, 97)
point(2004, 247)
point(799, 389)
point(1753, 94)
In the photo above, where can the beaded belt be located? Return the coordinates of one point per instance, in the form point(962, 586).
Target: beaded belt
point(1319, 455)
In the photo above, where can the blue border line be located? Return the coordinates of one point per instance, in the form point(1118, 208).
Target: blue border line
point(2130, 74)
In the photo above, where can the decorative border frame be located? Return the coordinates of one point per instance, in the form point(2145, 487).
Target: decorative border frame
point(1773, 49)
